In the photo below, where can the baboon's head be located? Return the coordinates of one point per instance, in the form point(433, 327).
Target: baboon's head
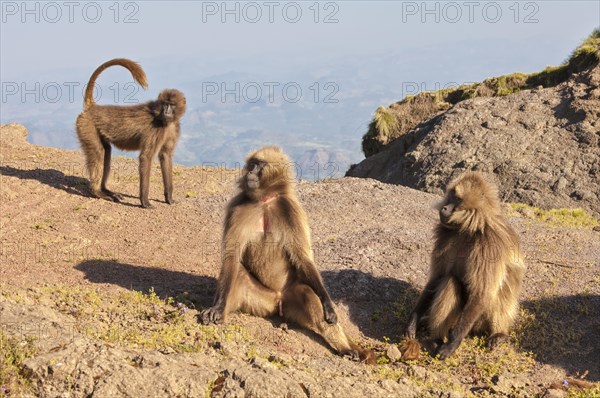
point(469, 203)
point(268, 171)
point(170, 106)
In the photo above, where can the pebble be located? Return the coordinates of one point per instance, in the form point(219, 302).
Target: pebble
point(393, 353)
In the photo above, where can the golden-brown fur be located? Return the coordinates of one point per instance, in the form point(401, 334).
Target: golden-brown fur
point(268, 266)
point(476, 268)
point(152, 127)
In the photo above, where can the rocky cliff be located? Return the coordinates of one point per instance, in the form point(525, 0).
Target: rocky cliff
point(542, 145)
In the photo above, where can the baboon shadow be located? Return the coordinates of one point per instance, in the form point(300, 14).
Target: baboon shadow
point(379, 306)
point(57, 179)
point(166, 283)
point(51, 177)
point(563, 331)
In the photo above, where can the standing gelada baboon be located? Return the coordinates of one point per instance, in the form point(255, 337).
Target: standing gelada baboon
point(476, 270)
point(152, 128)
point(267, 263)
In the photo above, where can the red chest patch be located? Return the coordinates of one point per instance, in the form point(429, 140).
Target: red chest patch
point(264, 225)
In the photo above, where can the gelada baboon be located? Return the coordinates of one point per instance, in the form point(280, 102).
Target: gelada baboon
point(151, 127)
point(268, 265)
point(476, 270)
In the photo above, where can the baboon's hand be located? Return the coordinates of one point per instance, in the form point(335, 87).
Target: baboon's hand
point(329, 313)
point(212, 315)
point(446, 350)
point(352, 355)
point(146, 204)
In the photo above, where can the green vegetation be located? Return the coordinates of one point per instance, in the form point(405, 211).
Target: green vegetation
point(541, 327)
point(472, 359)
point(138, 319)
point(384, 125)
point(384, 121)
point(13, 353)
point(413, 110)
point(557, 217)
point(145, 320)
point(475, 360)
point(584, 393)
point(43, 225)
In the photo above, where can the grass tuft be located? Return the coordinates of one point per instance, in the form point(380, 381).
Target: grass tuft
point(13, 353)
point(138, 319)
point(393, 122)
point(576, 218)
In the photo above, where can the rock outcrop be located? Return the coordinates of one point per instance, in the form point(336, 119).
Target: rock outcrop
point(542, 146)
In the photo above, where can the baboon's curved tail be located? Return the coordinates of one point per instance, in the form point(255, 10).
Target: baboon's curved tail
point(133, 67)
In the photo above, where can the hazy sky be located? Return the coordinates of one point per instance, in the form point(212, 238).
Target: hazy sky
point(83, 34)
point(374, 53)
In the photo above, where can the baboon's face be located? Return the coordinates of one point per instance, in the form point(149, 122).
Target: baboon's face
point(171, 106)
point(253, 174)
point(469, 202)
point(267, 171)
point(451, 204)
point(167, 112)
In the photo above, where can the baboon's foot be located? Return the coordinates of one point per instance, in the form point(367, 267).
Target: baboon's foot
point(115, 197)
point(105, 195)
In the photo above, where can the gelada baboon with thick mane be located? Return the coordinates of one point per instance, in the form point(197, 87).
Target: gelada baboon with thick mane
point(476, 270)
point(267, 260)
point(152, 128)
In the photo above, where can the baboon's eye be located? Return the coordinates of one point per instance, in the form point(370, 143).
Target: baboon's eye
point(255, 166)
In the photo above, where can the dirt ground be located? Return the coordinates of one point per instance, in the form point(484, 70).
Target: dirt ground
point(71, 261)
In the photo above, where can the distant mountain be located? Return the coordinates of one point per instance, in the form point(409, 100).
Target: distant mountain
point(333, 112)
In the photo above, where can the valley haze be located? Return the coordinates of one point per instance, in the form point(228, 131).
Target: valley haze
point(308, 82)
